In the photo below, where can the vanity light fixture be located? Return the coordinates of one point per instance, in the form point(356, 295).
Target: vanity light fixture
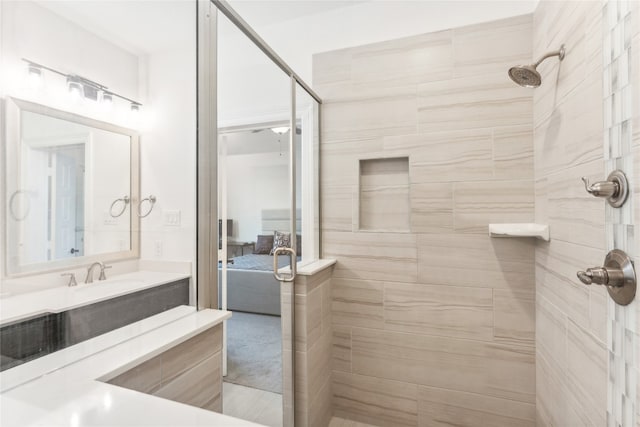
point(74, 86)
point(35, 75)
point(107, 99)
point(280, 130)
point(81, 87)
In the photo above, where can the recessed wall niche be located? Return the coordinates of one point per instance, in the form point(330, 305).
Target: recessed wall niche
point(384, 194)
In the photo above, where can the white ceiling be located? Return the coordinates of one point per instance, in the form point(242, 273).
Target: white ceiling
point(139, 26)
point(266, 12)
point(146, 26)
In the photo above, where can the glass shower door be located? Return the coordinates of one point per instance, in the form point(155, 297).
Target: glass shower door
point(257, 220)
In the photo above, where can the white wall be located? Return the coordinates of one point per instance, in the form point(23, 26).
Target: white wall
point(107, 178)
point(255, 182)
point(168, 154)
point(30, 31)
point(35, 33)
point(163, 80)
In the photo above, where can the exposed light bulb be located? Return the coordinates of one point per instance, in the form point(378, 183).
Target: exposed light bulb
point(107, 99)
point(75, 92)
point(75, 88)
point(34, 76)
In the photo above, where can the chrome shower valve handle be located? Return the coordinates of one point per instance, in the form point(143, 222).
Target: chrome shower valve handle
point(601, 276)
point(601, 188)
point(598, 276)
point(615, 189)
point(617, 274)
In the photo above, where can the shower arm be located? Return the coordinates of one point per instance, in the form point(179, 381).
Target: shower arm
point(559, 53)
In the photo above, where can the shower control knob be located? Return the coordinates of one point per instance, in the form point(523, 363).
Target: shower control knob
point(601, 188)
point(615, 189)
point(618, 275)
point(598, 276)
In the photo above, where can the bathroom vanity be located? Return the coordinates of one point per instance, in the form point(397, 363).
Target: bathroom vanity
point(38, 323)
point(162, 370)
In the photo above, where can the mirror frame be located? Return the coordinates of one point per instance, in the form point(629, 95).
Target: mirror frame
point(12, 136)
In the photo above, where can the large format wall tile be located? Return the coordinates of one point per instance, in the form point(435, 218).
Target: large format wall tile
point(587, 373)
point(438, 407)
point(571, 326)
point(314, 340)
point(376, 256)
point(375, 400)
point(339, 160)
point(475, 260)
point(450, 311)
point(556, 267)
point(492, 47)
point(446, 156)
point(514, 316)
point(357, 303)
point(431, 207)
point(341, 349)
point(505, 371)
point(513, 152)
point(402, 62)
point(436, 303)
point(477, 204)
point(478, 101)
point(368, 118)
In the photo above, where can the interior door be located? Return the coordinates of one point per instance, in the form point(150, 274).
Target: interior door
point(65, 198)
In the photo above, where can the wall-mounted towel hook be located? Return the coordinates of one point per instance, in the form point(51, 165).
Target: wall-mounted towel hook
point(615, 189)
point(152, 201)
point(125, 201)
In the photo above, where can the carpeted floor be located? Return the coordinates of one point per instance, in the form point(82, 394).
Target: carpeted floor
point(254, 357)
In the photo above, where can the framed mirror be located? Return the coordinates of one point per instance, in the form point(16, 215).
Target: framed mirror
point(71, 190)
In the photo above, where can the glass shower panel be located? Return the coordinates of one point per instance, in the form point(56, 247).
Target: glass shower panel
point(254, 211)
point(307, 138)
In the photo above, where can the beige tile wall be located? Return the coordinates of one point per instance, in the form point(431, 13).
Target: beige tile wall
point(434, 326)
point(313, 341)
point(571, 319)
point(190, 372)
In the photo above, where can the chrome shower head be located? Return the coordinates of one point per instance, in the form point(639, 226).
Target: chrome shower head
point(527, 75)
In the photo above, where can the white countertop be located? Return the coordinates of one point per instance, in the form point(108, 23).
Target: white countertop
point(73, 396)
point(41, 366)
point(63, 298)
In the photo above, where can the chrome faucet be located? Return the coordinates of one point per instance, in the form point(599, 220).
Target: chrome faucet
point(72, 279)
point(89, 278)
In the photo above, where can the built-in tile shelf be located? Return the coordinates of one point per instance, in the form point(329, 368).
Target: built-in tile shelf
point(540, 231)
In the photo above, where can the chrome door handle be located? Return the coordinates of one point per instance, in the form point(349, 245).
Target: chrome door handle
point(292, 264)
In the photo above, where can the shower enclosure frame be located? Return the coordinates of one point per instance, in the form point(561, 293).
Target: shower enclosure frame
point(207, 173)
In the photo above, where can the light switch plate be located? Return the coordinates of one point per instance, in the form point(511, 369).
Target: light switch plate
point(109, 220)
point(171, 218)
